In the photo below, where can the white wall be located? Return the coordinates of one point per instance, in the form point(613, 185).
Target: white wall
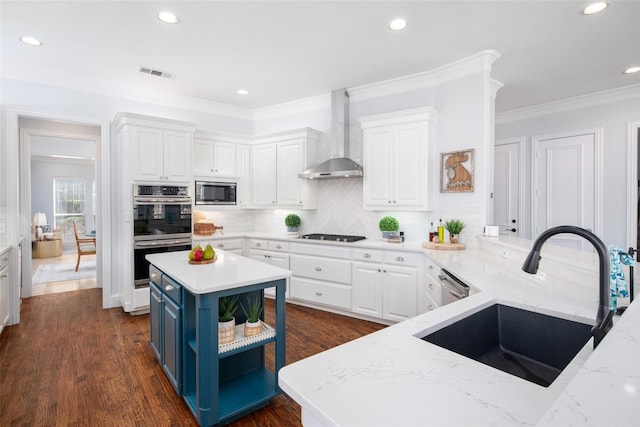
point(612, 117)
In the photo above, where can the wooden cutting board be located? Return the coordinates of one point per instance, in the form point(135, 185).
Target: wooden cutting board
point(445, 246)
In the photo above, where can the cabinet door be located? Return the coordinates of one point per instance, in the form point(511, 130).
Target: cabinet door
point(171, 336)
point(243, 190)
point(178, 154)
point(378, 144)
point(202, 157)
point(224, 159)
point(148, 154)
point(410, 165)
point(155, 313)
point(399, 293)
point(367, 290)
point(263, 171)
point(290, 164)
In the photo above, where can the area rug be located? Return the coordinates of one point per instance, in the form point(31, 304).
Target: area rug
point(61, 272)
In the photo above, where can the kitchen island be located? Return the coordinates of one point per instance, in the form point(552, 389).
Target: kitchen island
point(394, 378)
point(219, 382)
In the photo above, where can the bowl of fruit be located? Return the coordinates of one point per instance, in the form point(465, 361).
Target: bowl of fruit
point(197, 255)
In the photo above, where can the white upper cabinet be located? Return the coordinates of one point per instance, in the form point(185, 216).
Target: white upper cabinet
point(215, 155)
point(276, 161)
point(398, 160)
point(160, 149)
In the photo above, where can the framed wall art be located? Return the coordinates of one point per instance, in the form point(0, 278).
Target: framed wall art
point(456, 171)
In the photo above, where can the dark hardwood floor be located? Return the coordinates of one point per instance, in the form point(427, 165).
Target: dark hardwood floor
point(70, 363)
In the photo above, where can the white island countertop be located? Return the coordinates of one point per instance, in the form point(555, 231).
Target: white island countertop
point(394, 378)
point(228, 272)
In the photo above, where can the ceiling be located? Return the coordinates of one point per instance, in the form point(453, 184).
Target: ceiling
point(282, 51)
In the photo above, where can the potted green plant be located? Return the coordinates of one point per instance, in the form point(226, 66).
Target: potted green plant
point(227, 307)
point(253, 325)
point(389, 226)
point(454, 227)
point(292, 221)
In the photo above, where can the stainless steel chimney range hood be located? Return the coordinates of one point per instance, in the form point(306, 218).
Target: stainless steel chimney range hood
point(339, 165)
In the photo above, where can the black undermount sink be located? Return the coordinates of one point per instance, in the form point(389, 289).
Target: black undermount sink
point(532, 346)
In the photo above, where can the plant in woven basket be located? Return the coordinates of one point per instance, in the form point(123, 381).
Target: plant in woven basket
point(227, 307)
point(254, 309)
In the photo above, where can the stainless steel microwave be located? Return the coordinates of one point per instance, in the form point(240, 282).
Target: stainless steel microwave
point(215, 193)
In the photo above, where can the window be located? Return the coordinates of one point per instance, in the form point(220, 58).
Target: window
point(69, 205)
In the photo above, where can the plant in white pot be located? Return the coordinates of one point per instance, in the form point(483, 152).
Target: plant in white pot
point(389, 226)
point(253, 325)
point(227, 307)
point(292, 221)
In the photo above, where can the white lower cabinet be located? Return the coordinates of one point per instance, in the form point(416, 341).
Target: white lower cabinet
point(385, 289)
point(430, 291)
point(5, 290)
point(272, 252)
point(321, 275)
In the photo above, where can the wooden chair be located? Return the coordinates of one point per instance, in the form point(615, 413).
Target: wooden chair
point(85, 245)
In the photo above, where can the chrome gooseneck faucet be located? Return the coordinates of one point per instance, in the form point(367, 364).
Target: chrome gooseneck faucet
point(604, 318)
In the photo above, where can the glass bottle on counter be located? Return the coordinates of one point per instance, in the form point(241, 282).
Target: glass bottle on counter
point(432, 232)
point(440, 231)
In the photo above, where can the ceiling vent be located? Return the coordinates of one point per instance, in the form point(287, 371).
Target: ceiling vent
point(154, 72)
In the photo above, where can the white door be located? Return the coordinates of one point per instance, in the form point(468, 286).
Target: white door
point(178, 156)
point(409, 153)
point(202, 157)
point(378, 144)
point(506, 188)
point(224, 159)
point(564, 185)
point(399, 293)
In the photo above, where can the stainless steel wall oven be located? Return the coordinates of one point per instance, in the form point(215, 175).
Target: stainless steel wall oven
point(161, 223)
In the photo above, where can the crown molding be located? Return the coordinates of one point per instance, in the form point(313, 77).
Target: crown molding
point(317, 102)
point(57, 78)
point(573, 103)
point(479, 62)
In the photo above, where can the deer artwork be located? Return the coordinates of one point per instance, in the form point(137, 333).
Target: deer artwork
point(459, 177)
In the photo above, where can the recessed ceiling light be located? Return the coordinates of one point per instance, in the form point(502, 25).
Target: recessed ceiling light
point(594, 8)
point(397, 24)
point(30, 41)
point(243, 92)
point(632, 70)
point(168, 18)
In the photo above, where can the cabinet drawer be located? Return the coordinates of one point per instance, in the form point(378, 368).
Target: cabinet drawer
point(172, 289)
point(279, 246)
point(329, 269)
point(367, 255)
point(332, 294)
point(433, 288)
point(321, 250)
point(227, 244)
point(155, 275)
point(401, 258)
point(431, 267)
point(259, 244)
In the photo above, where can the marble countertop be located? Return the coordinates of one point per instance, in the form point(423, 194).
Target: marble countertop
point(394, 378)
point(228, 272)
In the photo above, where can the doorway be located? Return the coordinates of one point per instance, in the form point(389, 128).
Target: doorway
point(62, 192)
point(566, 184)
point(633, 186)
point(508, 186)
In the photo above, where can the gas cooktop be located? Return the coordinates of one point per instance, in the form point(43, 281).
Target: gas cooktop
point(332, 237)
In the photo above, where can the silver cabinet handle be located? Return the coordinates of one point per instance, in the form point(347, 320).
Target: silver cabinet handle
point(367, 255)
point(169, 288)
point(431, 307)
point(258, 244)
point(379, 270)
point(319, 293)
point(154, 276)
point(430, 267)
point(318, 269)
point(430, 286)
point(221, 245)
point(5, 259)
point(4, 276)
point(399, 259)
point(278, 247)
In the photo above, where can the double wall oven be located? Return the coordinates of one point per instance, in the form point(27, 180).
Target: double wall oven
point(161, 223)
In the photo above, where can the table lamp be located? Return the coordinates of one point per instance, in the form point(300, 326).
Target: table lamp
point(39, 219)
